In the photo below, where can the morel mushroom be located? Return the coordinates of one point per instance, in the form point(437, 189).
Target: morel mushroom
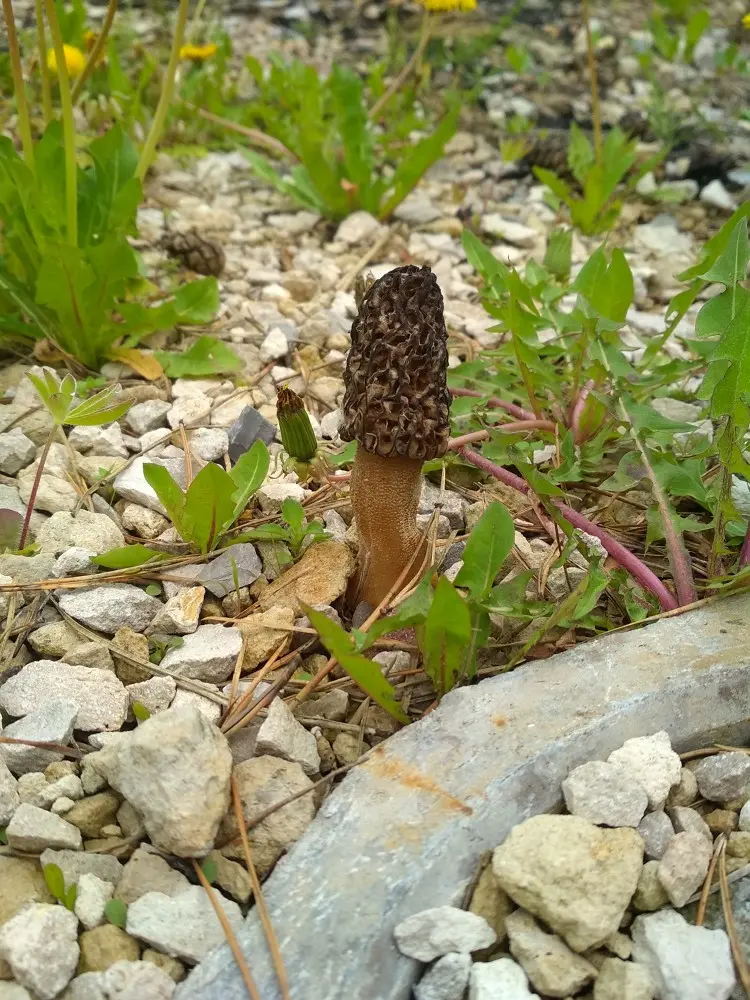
point(396, 407)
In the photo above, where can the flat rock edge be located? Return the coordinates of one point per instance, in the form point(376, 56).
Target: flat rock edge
point(407, 830)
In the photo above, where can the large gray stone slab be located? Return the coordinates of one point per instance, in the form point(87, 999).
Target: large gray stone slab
point(405, 830)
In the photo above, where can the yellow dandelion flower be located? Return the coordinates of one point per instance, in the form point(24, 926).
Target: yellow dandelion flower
point(75, 60)
point(746, 21)
point(198, 53)
point(443, 5)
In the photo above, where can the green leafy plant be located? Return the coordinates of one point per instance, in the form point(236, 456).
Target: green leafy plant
point(343, 161)
point(55, 881)
point(594, 208)
point(159, 646)
point(59, 399)
point(294, 532)
point(207, 356)
point(68, 273)
point(215, 498)
point(116, 912)
point(140, 711)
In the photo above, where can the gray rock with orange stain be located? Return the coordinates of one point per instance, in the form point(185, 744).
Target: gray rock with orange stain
point(407, 829)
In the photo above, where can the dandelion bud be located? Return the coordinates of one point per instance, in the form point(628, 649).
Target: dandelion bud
point(297, 434)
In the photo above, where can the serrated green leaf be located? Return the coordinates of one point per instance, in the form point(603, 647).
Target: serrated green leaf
point(127, 556)
point(55, 880)
point(630, 471)
point(487, 548)
point(248, 474)
point(715, 247)
point(727, 381)
point(596, 583)
point(365, 673)
point(207, 356)
point(116, 911)
point(101, 408)
point(447, 633)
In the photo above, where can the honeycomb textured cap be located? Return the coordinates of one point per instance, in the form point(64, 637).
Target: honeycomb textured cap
point(396, 400)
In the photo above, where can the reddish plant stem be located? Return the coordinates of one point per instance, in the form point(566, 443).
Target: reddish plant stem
point(35, 488)
point(515, 411)
point(630, 562)
point(577, 410)
point(511, 428)
point(745, 550)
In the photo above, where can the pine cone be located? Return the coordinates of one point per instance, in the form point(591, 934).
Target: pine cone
point(549, 150)
point(196, 252)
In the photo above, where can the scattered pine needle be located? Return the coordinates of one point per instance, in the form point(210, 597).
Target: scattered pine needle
point(700, 915)
point(232, 941)
point(726, 902)
point(260, 902)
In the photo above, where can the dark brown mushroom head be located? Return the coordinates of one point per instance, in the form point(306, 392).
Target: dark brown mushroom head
point(396, 407)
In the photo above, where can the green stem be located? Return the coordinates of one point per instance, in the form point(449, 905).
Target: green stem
point(35, 487)
point(192, 30)
point(43, 68)
point(424, 37)
point(24, 124)
point(718, 545)
point(96, 52)
point(69, 129)
point(594, 84)
point(157, 126)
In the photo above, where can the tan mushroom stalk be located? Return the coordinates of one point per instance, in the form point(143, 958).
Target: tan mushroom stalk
point(396, 407)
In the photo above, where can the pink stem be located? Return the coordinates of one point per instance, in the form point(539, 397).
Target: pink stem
point(500, 404)
point(514, 427)
point(637, 569)
point(575, 413)
point(745, 550)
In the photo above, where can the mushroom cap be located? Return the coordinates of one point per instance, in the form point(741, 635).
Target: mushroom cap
point(396, 400)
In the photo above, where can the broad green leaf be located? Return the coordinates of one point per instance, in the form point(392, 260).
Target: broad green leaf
point(489, 545)
point(727, 381)
point(11, 523)
point(248, 474)
point(580, 153)
point(55, 880)
point(559, 252)
point(730, 267)
point(630, 471)
point(293, 513)
point(344, 457)
point(647, 420)
point(127, 556)
point(102, 408)
point(210, 870)
point(683, 479)
point(365, 673)
point(56, 396)
point(209, 508)
point(38, 322)
point(70, 897)
point(264, 532)
point(207, 356)
point(556, 185)
point(412, 611)
point(140, 711)
point(116, 911)
point(447, 632)
point(714, 249)
point(168, 491)
point(596, 583)
point(197, 302)
point(509, 599)
point(608, 288)
point(539, 483)
point(492, 270)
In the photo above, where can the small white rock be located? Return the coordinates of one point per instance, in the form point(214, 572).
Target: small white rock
point(272, 494)
point(683, 866)
point(189, 410)
point(281, 735)
point(685, 962)
point(500, 980)
point(208, 654)
point(34, 830)
point(40, 945)
point(16, 451)
point(652, 762)
point(9, 798)
point(606, 794)
point(275, 345)
point(440, 930)
point(714, 193)
point(91, 898)
point(446, 979)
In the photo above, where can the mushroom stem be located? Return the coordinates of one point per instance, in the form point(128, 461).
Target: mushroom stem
point(385, 500)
